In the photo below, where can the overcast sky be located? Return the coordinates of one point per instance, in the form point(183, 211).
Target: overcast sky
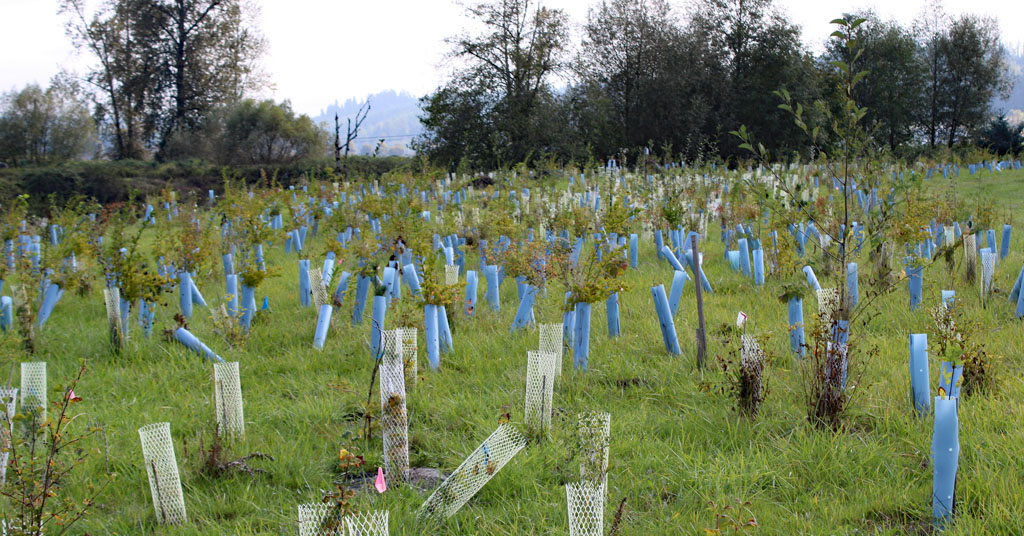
point(327, 50)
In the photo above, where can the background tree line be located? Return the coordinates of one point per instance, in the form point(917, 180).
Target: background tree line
point(646, 78)
point(170, 79)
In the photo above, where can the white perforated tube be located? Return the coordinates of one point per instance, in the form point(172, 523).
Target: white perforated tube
point(162, 469)
point(316, 286)
point(483, 463)
point(9, 398)
point(367, 524)
point(451, 274)
point(594, 434)
point(320, 519)
point(33, 388)
point(586, 508)
point(409, 336)
point(539, 389)
point(551, 341)
point(112, 300)
point(828, 305)
point(394, 418)
point(227, 388)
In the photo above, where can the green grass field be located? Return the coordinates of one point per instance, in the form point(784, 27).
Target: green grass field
point(674, 447)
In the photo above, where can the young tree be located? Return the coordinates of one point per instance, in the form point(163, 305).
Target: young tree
point(893, 92)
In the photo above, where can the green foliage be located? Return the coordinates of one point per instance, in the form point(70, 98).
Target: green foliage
point(45, 125)
point(252, 132)
point(45, 457)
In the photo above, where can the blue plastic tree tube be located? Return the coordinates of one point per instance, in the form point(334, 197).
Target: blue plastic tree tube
point(676, 292)
point(248, 307)
point(471, 286)
point(759, 267)
point(919, 388)
point(812, 280)
point(581, 336)
point(853, 294)
point(342, 289)
point(671, 258)
point(734, 259)
point(945, 457)
point(288, 243)
point(197, 297)
point(659, 243)
point(362, 289)
point(668, 326)
point(493, 295)
point(411, 279)
point(914, 282)
point(389, 282)
point(185, 293)
point(323, 322)
point(612, 313)
point(568, 322)
point(950, 379)
point(948, 297)
point(634, 244)
point(147, 313)
point(327, 272)
point(1017, 287)
point(229, 264)
point(232, 289)
point(51, 295)
point(796, 325)
point(126, 313)
point(6, 313)
point(379, 313)
point(524, 314)
point(259, 258)
point(433, 342)
point(304, 293)
point(444, 331)
point(190, 341)
point(1004, 248)
point(744, 257)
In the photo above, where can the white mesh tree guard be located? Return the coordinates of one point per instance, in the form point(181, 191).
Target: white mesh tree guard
point(408, 336)
point(451, 274)
point(316, 286)
point(367, 524)
point(227, 392)
point(394, 421)
point(594, 433)
point(112, 301)
point(162, 469)
point(752, 364)
point(551, 342)
point(483, 463)
point(988, 269)
point(33, 388)
point(9, 397)
point(828, 305)
point(948, 235)
point(586, 508)
point(540, 379)
point(320, 519)
point(970, 256)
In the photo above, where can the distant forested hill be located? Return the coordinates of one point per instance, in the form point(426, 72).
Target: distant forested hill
point(393, 116)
